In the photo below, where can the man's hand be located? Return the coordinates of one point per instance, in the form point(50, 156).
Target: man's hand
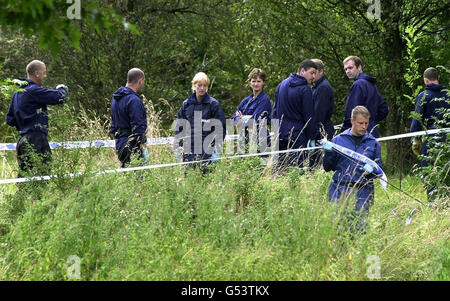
point(64, 88)
point(368, 168)
point(327, 145)
point(146, 155)
point(214, 157)
point(416, 146)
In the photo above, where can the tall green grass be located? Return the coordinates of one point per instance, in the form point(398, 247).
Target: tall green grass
point(235, 223)
point(238, 222)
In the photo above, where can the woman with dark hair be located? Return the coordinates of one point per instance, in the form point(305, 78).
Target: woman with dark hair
point(254, 112)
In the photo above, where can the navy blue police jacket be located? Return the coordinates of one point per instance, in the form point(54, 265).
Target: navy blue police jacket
point(428, 104)
point(128, 118)
point(209, 116)
point(28, 109)
point(294, 109)
point(364, 92)
point(259, 108)
point(347, 170)
point(323, 99)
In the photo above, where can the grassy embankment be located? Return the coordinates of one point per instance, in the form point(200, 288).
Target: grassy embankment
point(238, 222)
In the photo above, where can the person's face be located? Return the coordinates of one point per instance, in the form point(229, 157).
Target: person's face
point(41, 75)
point(319, 75)
point(309, 74)
point(359, 126)
point(351, 70)
point(141, 84)
point(257, 85)
point(201, 87)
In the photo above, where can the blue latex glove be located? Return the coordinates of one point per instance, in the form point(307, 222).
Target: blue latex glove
point(368, 168)
point(146, 155)
point(214, 157)
point(327, 145)
point(311, 143)
point(64, 88)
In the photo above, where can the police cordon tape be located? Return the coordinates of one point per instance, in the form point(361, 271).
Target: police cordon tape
point(120, 170)
point(100, 143)
point(111, 143)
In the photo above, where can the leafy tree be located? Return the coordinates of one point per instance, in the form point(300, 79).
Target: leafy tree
point(56, 22)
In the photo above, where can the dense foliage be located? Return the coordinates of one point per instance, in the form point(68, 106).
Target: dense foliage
point(239, 222)
point(172, 40)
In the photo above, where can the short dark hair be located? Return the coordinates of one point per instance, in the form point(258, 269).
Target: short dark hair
point(306, 65)
point(255, 73)
point(431, 74)
point(355, 59)
point(134, 75)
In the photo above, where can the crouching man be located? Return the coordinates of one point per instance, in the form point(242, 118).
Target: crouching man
point(351, 176)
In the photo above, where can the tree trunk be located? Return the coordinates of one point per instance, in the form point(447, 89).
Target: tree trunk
point(399, 156)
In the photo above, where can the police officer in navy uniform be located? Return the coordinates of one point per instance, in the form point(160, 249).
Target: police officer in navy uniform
point(363, 92)
point(129, 118)
point(253, 114)
point(294, 110)
point(323, 99)
point(200, 126)
point(28, 114)
point(349, 175)
point(429, 104)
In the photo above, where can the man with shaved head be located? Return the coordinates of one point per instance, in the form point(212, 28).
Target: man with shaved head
point(129, 118)
point(28, 114)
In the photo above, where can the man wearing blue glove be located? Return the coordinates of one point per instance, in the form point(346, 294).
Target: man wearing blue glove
point(28, 114)
point(351, 175)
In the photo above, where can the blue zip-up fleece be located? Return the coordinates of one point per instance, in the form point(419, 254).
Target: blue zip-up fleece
point(205, 111)
point(294, 108)
point(323, 99)
point(28, 109)
point(346, 170)
point(428, 102)
point(259, 108)
point(128, 118)
point(350, 172)
point(364, 92)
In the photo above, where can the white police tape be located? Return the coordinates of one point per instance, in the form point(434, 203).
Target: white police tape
point(100, 143)
point(414, 134)
point(72, 175)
